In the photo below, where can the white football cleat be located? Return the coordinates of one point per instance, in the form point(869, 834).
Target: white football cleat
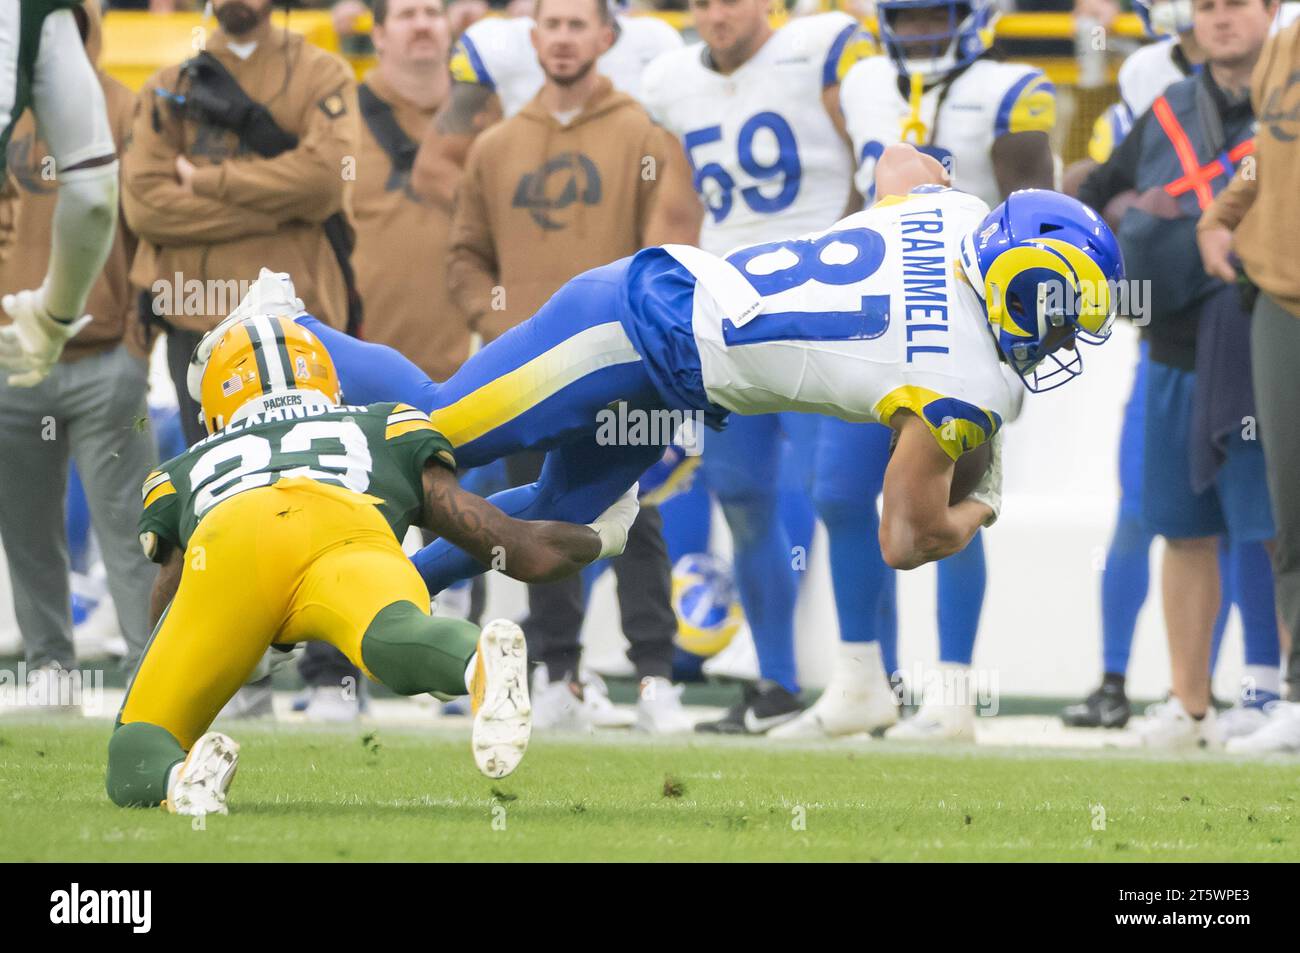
point(936, 722)
point(1280, 734)
point(945, 714)
point(858, 699)
point(200, 786)
point(498, 690)
point(332, 704)
point(659, 708)
point(1167, 725)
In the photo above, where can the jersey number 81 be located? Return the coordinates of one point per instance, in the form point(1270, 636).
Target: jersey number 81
point(867, 321)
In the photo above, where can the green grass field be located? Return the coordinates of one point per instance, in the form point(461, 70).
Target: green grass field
point(318, 794)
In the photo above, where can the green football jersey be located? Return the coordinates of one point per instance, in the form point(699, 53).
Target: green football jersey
point(380, 450)
point(20, 40)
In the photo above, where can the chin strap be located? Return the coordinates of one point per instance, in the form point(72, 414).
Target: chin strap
point(914, 130)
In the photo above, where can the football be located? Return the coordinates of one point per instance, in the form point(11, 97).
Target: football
point(969, 470)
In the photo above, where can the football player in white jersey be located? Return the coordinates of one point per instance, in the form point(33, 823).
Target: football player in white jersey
point(757, 112)
point(939, 87)
point(904, 314)
point(43, 66)
point(497, 54)
point(495, 72)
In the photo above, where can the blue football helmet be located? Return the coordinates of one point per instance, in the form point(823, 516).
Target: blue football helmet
point(968, 35)
point(1049, 270)
point(1164, 17)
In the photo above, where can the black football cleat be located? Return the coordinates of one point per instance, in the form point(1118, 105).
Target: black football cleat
point(762, 707)
point(1107, 707)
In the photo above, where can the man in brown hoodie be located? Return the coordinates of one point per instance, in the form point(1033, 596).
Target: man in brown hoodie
point(568, 184)
point(91, 408)
point(565, 185)
point(210, 213)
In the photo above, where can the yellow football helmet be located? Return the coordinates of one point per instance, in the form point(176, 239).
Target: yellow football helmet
point(261, 356)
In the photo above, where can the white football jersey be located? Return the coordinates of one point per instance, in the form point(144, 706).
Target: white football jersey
point(984, 102)
point(497, 52)
point(767, 159)
point(870, 316)
point(1147, 73)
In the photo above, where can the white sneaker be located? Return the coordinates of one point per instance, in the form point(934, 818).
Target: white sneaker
point(52, 690)
point(602, 712)
point(659, 710)
point(857, 700)
point(1241, 721)
point(200, 786)
point(936, 722)
point(558, 706)
point(1279, 734)
point(1167, 725)
point(332, 704)
point(498, 691)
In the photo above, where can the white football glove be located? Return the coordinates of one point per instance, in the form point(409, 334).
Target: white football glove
point(612, 526)
point(271, 295)
point(32, 344)
point(989, 489)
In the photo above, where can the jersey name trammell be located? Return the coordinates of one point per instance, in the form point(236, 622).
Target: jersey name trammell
point(925, 282)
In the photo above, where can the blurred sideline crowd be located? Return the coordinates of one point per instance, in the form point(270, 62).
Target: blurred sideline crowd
point(496, 151)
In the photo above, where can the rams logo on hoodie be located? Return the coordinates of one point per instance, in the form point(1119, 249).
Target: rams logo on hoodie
point(568, 178)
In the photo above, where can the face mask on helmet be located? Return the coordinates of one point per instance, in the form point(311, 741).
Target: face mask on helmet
point(264, 362)
point(1048, 269)
point(1164, 17)
point(933, 38)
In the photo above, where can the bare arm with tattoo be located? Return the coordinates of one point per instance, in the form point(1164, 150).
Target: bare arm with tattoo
point(528, 550)
point(468, 111)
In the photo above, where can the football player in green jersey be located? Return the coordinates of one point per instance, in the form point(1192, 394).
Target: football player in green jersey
point(283, 526)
